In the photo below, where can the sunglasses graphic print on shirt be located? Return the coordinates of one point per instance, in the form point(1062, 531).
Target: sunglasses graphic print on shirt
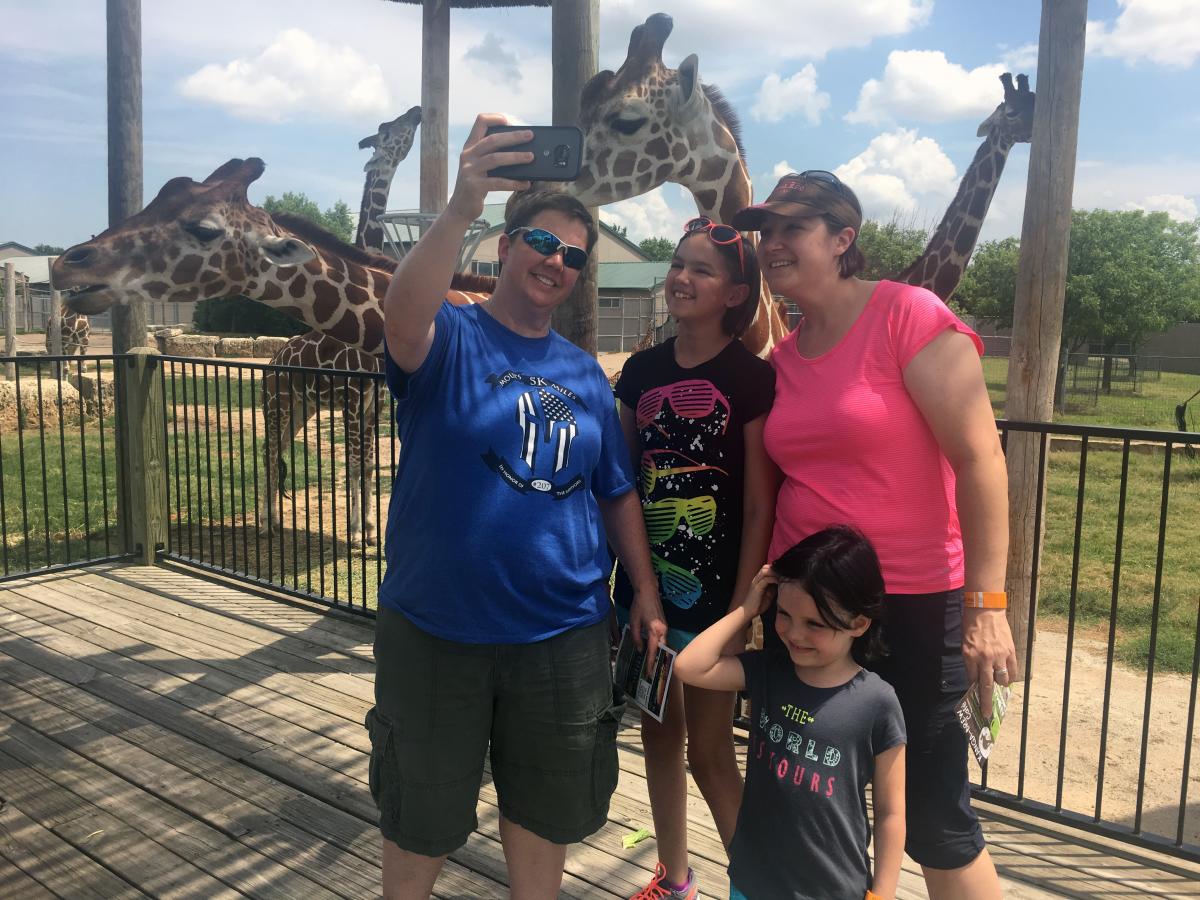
point(545, 429)
point(679, 519)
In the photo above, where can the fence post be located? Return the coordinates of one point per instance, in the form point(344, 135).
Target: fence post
point(141, 498)
point(54, 330)
point(10, 320)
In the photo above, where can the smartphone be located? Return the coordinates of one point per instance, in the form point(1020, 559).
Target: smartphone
point(557, 153)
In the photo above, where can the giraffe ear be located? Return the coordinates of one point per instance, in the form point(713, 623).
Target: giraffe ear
point(690, 91)
point(285, 251)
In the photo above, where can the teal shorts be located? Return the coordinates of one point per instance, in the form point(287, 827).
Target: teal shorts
point(676, 639)
point(545, 713)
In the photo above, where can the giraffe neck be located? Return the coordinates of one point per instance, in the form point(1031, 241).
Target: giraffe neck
point(940, 267)
point(336, 296)
point(374, 203)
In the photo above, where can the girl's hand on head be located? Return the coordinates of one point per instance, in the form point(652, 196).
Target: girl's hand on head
point(480, 154)
point(763, 588)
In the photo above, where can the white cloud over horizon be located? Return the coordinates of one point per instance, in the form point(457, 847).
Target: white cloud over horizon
point(925, 86)
point(295, 76)
point(1165, 32)
point(900, 174)
point(1177, 206)
point(779, 98)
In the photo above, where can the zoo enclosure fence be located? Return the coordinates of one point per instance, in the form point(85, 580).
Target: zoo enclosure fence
point(151, 458)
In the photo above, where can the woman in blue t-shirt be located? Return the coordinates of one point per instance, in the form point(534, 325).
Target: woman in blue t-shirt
point(492, 637)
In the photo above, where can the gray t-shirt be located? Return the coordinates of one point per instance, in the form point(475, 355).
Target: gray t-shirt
point(803, 829)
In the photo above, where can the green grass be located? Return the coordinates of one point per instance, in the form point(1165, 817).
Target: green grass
point(1179, 595)
point(1152, 406)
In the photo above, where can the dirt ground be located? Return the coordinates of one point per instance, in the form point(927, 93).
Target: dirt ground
point(1166, 739)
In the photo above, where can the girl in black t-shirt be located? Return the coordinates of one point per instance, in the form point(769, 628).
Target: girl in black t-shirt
point(692, 410)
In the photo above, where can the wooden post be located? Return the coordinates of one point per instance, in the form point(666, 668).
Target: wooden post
point(54, 330)
point(125, 146)
point(142, 479)
point(10, 320)
point(435, 103)
point(1041, 290)
point(574, 51)
point(26, 304)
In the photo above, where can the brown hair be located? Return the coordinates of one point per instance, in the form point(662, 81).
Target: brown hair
point(737, 319)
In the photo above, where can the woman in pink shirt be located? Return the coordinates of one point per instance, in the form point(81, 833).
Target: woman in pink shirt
point(882, 421)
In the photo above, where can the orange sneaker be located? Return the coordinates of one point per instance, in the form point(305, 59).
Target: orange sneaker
point(660, 889)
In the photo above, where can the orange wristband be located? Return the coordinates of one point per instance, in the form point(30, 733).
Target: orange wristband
point(871, 895)
point(985, 599)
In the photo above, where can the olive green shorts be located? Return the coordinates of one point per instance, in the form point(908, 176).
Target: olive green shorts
point(545, 712)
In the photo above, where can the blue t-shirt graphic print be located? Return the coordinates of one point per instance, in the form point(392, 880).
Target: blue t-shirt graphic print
point(494, 531)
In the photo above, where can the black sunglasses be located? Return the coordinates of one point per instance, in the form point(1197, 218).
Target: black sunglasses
point(547, 244)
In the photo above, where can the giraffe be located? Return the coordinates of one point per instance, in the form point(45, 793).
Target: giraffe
point(391, 144)
point(941, 266)
point(647, 124)
point(197, 240)
point(288, 399)
point(75, 330)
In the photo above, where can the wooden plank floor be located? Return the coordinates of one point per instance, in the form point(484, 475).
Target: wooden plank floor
point(167, 736)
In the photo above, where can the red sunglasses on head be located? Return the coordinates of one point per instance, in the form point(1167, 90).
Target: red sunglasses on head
point(718, 234)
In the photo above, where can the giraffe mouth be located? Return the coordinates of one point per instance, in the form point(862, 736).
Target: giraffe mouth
point(88, 300)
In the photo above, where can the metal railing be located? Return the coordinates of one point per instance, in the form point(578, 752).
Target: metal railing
point(275, 475)
point(60, 484)
point(1103, 727)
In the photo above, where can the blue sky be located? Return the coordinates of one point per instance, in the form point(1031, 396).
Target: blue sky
point(887, 92)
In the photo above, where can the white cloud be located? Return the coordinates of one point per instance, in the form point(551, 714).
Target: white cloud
point(900, 173)
point(296, 76)
point(924, 86)
point(779, 98)
point(1020, 59)
point(650, 215)
point(736, 41)
point(1177, 206)
point(1166, 32)
point(492, 58)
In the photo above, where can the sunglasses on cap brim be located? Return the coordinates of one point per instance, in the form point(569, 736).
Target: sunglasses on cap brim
point(548, 243)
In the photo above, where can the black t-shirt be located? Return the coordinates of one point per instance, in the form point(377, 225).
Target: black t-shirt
point(802, 832)
point(691, 472)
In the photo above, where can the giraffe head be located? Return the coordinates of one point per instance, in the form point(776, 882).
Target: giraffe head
point(392, 141)
point(647, 124)
point(192, 242)
point(1012, 121)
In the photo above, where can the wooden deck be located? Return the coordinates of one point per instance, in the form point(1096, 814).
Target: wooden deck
point(167, 736)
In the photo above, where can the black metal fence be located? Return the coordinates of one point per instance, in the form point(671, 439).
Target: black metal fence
point(59, 478)
point(276, 475)
point(1103, 727)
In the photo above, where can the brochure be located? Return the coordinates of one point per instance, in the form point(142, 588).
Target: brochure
point(982, 732)
point(648, 691)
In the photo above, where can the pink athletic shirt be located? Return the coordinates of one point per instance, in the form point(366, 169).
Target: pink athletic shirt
point(854, 448)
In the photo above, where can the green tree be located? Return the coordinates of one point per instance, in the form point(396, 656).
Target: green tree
point(337, 219)
point(989, 285)
point(659, 249)
point(889, 247)
point(47, 250)
point(1129, 274)
point(618, 230)
point(241, 315)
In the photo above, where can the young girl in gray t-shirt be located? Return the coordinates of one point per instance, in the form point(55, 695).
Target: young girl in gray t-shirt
point(822, 727)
